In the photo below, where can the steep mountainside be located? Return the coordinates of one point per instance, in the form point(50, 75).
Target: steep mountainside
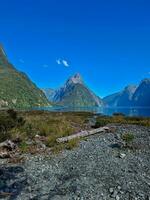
point(123, 98)
point(138, 96)
point(112, 100)
point(16, 89)
point(49, 93)
point(75, 93)
point(141, 96)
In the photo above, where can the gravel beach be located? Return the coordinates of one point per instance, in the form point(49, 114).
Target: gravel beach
point(99, 169)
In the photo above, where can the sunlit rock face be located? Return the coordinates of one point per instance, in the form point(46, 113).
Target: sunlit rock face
point(75, 93)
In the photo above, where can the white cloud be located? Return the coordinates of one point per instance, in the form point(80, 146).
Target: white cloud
point(65, 63)
point(62, 62)
point(58, 62)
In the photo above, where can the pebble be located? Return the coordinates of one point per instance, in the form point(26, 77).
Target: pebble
point(117, 197)
point(122, 155)
point(111, 190)
point(90, 171)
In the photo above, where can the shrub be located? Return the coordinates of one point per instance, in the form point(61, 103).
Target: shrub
point(51, 141)
point(23, 147)
point(100, 123)
point(128, 137)
point(12, 114)
point(72, 143)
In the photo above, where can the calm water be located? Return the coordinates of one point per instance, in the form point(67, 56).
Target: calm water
point(140, 111)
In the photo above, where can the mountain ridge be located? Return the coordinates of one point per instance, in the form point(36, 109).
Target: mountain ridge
point(131, 96)
point(17, 90)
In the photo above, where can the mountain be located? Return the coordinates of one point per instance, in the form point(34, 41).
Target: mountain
point(141, 96)
point(16, 89)
point(75, 93)
point(49, 93)
point(135, 96)
point(123, 98)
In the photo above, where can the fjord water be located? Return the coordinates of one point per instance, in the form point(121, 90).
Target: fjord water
point(128, 111)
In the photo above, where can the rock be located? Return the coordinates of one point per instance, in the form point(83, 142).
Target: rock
point(122, 155)
point(89, 171)
point(4, 155)
point(111, 190)
point(8, 144)
point(119, 188)
point(114, 194)
point(117, 197)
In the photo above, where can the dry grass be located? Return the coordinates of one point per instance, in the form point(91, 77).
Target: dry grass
point(120, 119)
point(51, 125)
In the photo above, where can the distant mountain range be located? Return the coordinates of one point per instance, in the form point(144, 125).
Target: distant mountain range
point(16, 89)
point(131, 96)
point(74, 93)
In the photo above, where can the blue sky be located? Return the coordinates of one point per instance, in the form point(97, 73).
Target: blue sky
point(107, 41)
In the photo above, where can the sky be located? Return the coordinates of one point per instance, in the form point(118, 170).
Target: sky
point(106, 41)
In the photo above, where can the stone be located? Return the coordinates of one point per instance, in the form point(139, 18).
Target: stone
point(111, 190)
point(114, 194)
point(4, 155)
point(119, 188)
point(117, 197)
point(122, 155)
point(8, 144)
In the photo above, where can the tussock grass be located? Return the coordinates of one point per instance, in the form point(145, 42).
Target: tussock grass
point(26, 125)
point(121, 119)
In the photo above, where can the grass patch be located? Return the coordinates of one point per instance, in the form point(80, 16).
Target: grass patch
point(25, 125)
point(72, 143)
point(24, 147)
point(52, 125)
point(128, 137)
point(121, 119)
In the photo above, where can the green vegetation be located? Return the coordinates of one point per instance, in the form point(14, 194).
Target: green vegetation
point(24, 147)
point(23, 126)
point(26, 126)
point(121, 119)
point(72, 143)
point(17, 90)
point(128, 137)
point(78, 95)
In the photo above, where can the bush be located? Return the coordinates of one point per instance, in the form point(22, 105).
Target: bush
point(100, 123)
point(128, 137)
point(72, 143)
point(51, 141)
point(23, 147)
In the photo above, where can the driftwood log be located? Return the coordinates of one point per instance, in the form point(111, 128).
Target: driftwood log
point(84, 134)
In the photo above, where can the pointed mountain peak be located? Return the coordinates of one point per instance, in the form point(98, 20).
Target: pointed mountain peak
point(130, 88)
point(2, 51)
point(75, 79)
